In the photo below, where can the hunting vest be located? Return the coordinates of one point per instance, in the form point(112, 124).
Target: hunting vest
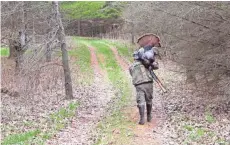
point(140, 74)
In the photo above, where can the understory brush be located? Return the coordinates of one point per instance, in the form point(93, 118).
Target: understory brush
point(37, 132)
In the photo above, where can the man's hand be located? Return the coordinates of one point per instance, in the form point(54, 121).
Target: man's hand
point(155, 65)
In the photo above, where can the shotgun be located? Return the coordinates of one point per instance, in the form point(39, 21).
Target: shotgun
point(157, 80)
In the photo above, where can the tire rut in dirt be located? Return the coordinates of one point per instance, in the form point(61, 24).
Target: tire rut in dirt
point(94, 100)
point(119, 59)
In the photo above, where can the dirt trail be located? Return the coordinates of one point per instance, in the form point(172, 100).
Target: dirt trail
point(93, 103)
point(94, 100)
point(119, 59)
point(94, 61)
point(143, 134)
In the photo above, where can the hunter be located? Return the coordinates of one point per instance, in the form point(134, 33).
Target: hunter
point(144, 61)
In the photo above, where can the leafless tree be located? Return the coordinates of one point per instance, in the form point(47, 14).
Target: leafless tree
point(196, 35)
point(32, 30)
point(61, 38)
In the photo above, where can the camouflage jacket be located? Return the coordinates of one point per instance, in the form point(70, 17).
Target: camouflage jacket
point(139, 73)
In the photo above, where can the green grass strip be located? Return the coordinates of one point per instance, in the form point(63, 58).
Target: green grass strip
point(4, 51)
point(20, 138)
point(117, 120)
point(125, 50)
point(82, 54)
point(110, 65)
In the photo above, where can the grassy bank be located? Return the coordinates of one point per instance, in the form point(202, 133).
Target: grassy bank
point(81, 54)
point(124, 50)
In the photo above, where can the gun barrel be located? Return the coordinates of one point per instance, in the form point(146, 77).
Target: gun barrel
point(158, 81)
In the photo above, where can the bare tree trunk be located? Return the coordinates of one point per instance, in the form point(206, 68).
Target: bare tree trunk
point(79, 27)
point(92, 29)
point(48, 49)
point(61, 38)
point(132, 33)
point(132, 39)
point(22, 38)
point(13, 51)
point(11, 40)
point(48, 52)
point(33, 37)
point(132, 30)
point(190, 75)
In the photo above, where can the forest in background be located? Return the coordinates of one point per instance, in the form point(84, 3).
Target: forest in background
point(36, 40)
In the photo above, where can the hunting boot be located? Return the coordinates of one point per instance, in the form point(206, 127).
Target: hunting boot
point(149, 112)
point(142, 114)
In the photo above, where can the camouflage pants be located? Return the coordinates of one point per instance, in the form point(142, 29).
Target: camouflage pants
point(144, 93)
